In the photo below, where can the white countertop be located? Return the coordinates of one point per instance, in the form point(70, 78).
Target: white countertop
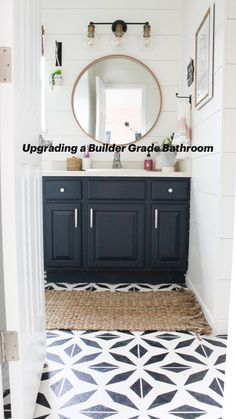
point(114, 173)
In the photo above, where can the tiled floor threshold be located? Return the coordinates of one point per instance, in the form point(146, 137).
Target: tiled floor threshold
point(131, 375)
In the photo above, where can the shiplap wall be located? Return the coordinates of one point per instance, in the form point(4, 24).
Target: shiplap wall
point(210, 250)
point(228, 159)
point(67, 20)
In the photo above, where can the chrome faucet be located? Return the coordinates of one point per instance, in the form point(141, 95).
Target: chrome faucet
point(116, 161)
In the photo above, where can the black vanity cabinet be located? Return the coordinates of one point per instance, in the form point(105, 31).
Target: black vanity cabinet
point(116, 235)
point(63, 226)
point(170, 223)
point(116, 229)
point(169, 236)
point(62, 223)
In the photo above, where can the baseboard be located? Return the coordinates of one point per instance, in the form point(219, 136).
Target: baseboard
point(111, 277)
point(219, 327)
point(205, 310)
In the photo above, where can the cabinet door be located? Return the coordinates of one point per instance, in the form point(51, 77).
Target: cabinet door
point(116, 235)
point(169, 236)
point(62, 235)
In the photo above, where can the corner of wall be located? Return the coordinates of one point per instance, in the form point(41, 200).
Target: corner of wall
point(218, 326)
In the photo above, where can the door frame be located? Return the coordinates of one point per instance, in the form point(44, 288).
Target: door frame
point(21, 178)
point(229, 391)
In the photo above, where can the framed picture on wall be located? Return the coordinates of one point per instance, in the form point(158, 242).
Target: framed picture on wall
point(204, 58)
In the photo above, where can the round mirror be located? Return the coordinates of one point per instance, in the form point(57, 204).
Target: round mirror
point(116, 99)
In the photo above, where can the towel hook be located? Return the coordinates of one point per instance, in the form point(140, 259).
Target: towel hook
point(184, 97)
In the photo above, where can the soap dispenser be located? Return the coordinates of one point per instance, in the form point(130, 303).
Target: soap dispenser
point(148, 163)
point(86, 162)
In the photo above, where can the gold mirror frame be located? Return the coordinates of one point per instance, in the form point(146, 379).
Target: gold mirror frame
point(109, 57)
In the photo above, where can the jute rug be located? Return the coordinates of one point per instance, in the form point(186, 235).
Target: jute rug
point(134, 311)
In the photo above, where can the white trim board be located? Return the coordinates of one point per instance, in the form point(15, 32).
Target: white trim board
point(219, 326)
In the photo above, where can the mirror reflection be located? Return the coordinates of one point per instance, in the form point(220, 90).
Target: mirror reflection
point(116, 99)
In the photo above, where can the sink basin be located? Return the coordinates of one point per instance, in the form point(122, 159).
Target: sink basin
point(109, 171)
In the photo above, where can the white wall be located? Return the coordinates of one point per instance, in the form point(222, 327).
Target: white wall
point(228, 152)
point(212, 191)
point(67, 20)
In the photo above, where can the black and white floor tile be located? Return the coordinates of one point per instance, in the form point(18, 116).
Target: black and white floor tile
point(131, 375)
point(111, 287)
point(7, 404)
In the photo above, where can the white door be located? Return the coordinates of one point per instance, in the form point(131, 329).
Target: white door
point(4, 373)
point(21, 201)
point(100, 110)
point(229, 391)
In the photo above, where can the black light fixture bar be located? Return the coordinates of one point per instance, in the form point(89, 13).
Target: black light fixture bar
point(127, 23)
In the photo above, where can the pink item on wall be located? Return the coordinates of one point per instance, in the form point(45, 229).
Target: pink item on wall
point(183, 131)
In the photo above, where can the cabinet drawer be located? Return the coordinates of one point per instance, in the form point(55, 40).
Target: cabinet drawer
point(170, 189)
point(117, 189)
point(62, 189)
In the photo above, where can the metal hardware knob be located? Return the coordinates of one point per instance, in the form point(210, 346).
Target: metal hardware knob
point(156, 219)
point(91, 217)
point(62, 190)
point(76, 218)
point(170, 190)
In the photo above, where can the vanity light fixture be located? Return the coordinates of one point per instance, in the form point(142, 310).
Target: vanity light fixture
point(119, 28)
point(90, 40)
point(91, 34)
point(145, 41)
point(146, 34)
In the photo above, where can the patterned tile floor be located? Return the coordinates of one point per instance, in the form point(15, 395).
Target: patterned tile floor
point(131, 375)
point(7, 404)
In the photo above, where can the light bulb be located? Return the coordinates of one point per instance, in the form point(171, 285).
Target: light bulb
point(118, 41)
point(90, 42)
point(146, 41)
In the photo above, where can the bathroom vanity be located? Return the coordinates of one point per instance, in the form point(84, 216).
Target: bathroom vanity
point(116, 225)
point(102, 227)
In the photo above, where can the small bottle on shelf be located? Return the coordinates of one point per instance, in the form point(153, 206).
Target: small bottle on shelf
point(148, 163)
point(86, 162)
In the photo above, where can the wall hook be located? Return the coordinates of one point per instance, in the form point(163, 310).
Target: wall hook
point(184, 97)
point(58, 54)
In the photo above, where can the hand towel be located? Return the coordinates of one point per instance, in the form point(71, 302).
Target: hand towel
point(182, 134)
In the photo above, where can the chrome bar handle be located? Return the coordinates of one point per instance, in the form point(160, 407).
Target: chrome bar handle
point(156, 219)
point(91, 217)
point(76, 218)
